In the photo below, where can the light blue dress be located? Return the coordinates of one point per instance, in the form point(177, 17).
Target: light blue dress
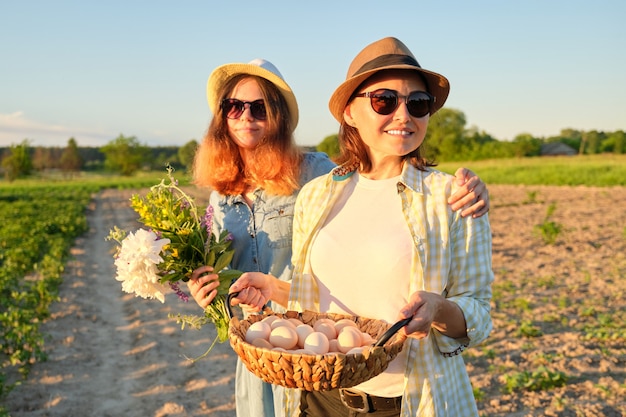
point(262, 243)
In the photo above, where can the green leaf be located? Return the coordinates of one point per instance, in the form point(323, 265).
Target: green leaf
point(211, 258)
point(223, 260)
point(227, 276)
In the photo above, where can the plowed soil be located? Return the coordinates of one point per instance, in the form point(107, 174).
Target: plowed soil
point(557, 348)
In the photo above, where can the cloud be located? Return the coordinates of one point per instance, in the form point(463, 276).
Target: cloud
point(15, 127)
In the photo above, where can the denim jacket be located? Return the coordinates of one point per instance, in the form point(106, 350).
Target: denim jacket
point(262, 243)
point(262, 234)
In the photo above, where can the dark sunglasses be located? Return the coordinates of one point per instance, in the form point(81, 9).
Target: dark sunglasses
point(234, 108)
point(385, 101)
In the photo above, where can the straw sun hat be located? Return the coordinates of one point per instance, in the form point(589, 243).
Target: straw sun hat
point(259, 67)
point(387, 53)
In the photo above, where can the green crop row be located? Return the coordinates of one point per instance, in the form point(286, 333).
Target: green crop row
point(38, 225)
point(591, 170)
point(40, 218)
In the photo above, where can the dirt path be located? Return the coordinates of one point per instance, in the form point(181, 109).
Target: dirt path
point(111, 354)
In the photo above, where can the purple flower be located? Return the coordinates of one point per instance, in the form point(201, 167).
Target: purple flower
point(180, 293)
point(208, 219)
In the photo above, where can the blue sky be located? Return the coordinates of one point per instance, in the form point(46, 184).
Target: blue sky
point(93, 70)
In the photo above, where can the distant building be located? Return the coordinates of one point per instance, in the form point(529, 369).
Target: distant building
point(557, 148)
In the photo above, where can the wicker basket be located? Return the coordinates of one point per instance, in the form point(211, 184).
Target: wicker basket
point(314, 372)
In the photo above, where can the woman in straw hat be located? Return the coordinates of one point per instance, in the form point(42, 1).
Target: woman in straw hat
point(250, 161)
point(375, 238)
point(249, 158)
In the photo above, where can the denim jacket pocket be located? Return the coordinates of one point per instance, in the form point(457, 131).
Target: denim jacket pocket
point(280, 226)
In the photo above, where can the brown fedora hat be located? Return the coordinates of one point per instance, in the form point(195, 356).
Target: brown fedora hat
point(387, 53)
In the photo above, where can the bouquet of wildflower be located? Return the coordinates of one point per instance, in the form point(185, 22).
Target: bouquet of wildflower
point(179, 239)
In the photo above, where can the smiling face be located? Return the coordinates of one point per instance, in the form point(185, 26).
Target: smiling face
point(246, 131)
point(388, 137)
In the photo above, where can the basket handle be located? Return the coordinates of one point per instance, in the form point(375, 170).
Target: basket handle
point(391, 331)
point(228, 306)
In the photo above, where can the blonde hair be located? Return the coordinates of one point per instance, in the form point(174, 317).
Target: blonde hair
point(275, 162)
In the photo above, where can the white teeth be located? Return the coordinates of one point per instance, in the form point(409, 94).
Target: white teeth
point(398, 132)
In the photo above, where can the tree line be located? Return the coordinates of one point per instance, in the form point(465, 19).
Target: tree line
point(124, 155)
point(448, 139)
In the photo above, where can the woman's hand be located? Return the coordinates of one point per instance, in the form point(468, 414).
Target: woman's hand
point(472, 195)
point(203, 285)
point(432, 310)
point(423, 306)
point(250, 300)
point(256, 289)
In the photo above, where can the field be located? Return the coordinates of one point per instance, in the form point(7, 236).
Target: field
point(559, 342)
point(557, 348)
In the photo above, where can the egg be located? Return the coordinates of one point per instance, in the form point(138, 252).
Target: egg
point(328, 329)
point(269, 319)
point(296, 322)
point(317, 342)
point(341, 323)
point(284, 337)
point(262, 343)
point(333, 346)
point(356, 332)
point(366, 339)
point(258, 330)
point(355, 351)
point(349, 339)
point(303, 331)
point(321, 321)
point(282, 322)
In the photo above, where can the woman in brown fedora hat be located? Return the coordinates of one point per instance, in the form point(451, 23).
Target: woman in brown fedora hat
point(376, 238)
point(249, 159)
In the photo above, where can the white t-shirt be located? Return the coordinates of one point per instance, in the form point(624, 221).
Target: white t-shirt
point(366, 236)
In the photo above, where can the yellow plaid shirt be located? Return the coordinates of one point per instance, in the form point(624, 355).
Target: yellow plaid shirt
point(452, 257)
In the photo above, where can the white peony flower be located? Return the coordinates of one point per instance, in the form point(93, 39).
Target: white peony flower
point(137, 261)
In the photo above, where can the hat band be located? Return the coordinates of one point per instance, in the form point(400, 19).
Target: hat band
point(387, 60)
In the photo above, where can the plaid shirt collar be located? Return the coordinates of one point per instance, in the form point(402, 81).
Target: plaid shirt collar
point(410, 177)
